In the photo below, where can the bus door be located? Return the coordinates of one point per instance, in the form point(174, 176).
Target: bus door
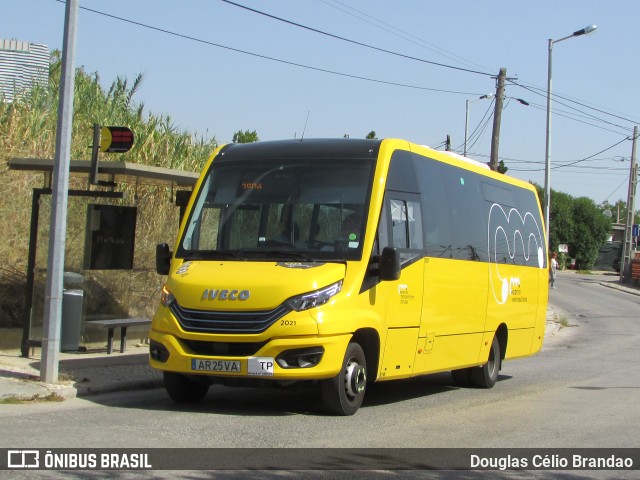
point(401, 228)
point(456, 270)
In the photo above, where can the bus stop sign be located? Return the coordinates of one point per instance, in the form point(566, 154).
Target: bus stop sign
point(115, 139)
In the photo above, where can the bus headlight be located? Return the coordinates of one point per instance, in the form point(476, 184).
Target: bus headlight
point(166, 297)
point(314, 299)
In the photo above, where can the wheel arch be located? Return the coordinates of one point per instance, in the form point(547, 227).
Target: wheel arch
point(502, 334)
point(369, 340)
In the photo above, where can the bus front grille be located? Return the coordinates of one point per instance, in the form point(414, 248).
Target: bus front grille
point(205, 321)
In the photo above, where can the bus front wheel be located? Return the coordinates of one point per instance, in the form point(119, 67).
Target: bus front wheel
point(486, 376)
point(343, 394)
point(183, 389)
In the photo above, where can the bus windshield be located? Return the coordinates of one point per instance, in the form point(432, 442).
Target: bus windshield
point(283, 209)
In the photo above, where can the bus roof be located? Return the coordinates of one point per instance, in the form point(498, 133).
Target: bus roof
point(461, 157)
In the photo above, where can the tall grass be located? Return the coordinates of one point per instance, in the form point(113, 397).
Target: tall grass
point(28, 129)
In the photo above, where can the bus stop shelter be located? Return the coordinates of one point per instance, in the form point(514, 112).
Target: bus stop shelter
point(110, 175)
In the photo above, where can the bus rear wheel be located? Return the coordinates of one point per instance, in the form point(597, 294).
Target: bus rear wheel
point(486, 376)
point(183, 389)
point(343, 394)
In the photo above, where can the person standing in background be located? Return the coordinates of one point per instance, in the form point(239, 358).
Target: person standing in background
point(553, 269)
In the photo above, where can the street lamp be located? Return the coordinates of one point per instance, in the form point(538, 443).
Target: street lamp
point(466, 118)
point(547, 162)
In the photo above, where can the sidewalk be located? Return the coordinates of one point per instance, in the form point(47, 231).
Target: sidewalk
point(80, 374)
point(94, 372)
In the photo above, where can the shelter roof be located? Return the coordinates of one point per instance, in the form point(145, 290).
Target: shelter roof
point(118, 172)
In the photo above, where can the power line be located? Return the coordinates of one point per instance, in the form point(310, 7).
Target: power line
point(556, 95)
point(591, 156)
point(266, 57)
point(535, 91)
point(617, 188)
point(576, 118)
point(575, 162)
point(387, 27)
point(530, 88)
point(355, 42)
point(477, 133)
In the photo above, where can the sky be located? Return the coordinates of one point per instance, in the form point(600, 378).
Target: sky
point(402, 68)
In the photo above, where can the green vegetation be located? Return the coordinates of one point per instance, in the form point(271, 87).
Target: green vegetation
point(52, 397)
point(564, 322)
point(28, 130)
point(578, 223)
point(245, 137)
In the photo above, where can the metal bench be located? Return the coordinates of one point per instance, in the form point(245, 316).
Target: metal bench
point(121, 323)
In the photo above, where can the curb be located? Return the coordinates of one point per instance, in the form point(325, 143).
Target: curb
point(83, 390)
point(621, 288)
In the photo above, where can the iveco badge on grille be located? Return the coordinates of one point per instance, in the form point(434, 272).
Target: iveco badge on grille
point(217, 294)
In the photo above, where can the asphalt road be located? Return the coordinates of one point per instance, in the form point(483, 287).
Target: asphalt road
point(581, 391)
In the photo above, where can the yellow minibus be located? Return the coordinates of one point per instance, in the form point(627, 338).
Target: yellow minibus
point(347, 262)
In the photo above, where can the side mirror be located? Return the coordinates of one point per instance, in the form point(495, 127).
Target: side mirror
point(163, 259)
point(389, 264)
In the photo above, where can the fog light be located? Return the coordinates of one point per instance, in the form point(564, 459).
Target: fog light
point(158, 352)
point(300, 358)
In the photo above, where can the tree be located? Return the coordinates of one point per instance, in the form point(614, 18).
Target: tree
point(619, 211)
point(501, 167)
point(591, 228)
point(245, 137)
point(578, 223)
point(371, 135)
point(561, 220)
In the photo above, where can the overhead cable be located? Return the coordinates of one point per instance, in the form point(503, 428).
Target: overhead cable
point(266, 57)
point(355, 42)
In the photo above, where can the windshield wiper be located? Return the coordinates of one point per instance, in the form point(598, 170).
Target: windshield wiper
point(227, 254)
point(212, 254)
point(246, 254)
point(286, 255)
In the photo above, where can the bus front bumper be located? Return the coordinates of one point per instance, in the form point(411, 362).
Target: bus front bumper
point(291, 358)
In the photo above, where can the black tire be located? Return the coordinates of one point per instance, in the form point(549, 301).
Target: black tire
point(343, 394)
point(486, 376)
point(183, 389)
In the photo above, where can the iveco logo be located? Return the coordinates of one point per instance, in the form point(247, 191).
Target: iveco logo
point(213, 294)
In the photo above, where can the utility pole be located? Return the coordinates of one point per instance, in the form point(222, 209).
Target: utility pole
point(495, 138)
point(625, 267)
point(57, 234)
point(447, 144)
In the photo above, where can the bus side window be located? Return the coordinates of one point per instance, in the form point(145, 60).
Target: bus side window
point(400, 237)
point(414, 216)
point(383, 230)
point(406, 228)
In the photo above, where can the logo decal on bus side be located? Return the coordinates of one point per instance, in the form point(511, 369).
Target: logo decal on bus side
point(183, 269)
point(517, 235)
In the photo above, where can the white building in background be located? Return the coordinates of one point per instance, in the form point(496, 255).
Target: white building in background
point(22, 65)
